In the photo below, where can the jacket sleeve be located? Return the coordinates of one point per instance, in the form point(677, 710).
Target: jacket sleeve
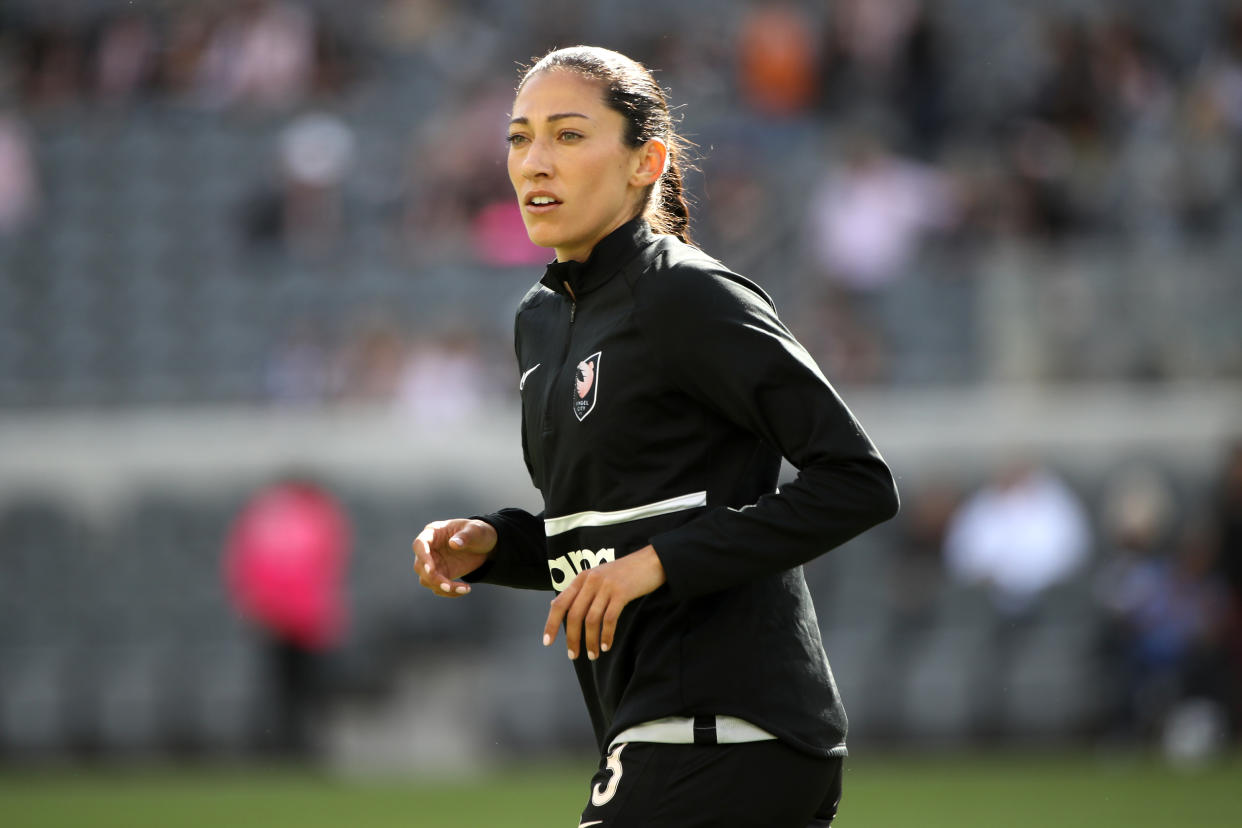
point(721, 342)
point(520, 558)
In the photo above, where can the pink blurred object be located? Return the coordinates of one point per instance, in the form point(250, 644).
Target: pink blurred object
point(285, 563)
point(500, 237)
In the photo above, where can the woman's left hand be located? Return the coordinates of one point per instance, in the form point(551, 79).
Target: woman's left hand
point(593, 601)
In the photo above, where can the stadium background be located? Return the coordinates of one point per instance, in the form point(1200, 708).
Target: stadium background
point(238, 238)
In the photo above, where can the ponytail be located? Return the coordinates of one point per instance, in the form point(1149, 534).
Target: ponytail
point(667, 211)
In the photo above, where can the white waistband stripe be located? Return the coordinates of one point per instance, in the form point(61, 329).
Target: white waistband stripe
point(557, 525)
point(679, 730)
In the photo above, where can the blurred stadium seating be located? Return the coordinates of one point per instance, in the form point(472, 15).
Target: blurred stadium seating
point(168, 338)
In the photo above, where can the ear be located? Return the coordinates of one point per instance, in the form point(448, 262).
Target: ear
point(649, 163)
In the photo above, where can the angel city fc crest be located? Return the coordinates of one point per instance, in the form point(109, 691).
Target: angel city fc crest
point(586, 385)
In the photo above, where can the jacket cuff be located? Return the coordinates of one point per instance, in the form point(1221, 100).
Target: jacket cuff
point(518, 560)
point(671, 549)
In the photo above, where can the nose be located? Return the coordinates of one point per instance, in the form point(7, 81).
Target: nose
point(537, 160)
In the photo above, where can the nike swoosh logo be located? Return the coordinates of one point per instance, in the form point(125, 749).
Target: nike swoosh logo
point(521, 385)
point(589, 824)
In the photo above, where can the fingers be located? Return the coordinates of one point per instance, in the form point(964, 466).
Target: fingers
point(423, 564)
point(473, 536)
point(589, 608)
point(608, 629)
point(556, 614)
point(591, 622)
point(575, 616)
point(428, 562)
point(591, 604)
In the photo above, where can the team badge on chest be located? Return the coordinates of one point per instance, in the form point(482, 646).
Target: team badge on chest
point(586, 385)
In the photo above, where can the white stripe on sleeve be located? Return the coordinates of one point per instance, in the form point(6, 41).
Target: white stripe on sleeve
point(557, 525)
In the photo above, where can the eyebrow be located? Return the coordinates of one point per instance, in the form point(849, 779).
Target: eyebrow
point(558, 116)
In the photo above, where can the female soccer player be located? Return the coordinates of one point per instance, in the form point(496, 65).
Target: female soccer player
point(659, 393)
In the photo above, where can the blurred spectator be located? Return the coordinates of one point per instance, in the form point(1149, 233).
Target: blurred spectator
point(306, 213)
point(456, 178)
point(1017, 536)
point(1136, 520)
point(1045, 173)
point(1171, 611)
point(1131, 76)
point(1068, 95)
point(125, 59)
point(299, 371)
point(1208, 162)
point(316, 153)
point(871, 32)
point(869, 215)
point(889, 53)
point(918, 576)
point(921, 93)
point(444, 379)
point(436, 33)
point(865, 44)
point(849, 347)
point(866, 223)
point(734, 220)
point(1137, 516)
point(262, 55)
point(183, 47)
point(51, 67)
point(371, 363)
point(777, 59)
point(284, 564)
point(408, 25)
point(1224, 69)
point(19, 179)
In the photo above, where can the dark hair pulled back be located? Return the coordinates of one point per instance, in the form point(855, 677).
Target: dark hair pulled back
point(630, 89)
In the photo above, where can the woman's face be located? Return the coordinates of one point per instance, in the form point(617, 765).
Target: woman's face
point(575, 178)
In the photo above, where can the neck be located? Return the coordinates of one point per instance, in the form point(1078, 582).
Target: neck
point(581, 254)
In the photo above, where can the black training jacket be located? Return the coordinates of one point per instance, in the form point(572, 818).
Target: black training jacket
point(659, 393)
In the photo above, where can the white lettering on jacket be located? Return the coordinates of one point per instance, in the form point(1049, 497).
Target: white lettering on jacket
point(565, 568)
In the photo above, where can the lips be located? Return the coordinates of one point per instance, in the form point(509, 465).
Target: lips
point(540, 201)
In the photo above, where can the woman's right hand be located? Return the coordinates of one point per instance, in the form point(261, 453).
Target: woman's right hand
point(447, 550)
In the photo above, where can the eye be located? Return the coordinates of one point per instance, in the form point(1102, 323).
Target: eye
point(570, 135)
point(516, 139)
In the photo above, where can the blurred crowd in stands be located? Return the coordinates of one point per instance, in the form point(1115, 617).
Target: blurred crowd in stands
point(1172, 588)
point(1165, 575)
point(247, 54)
point(436, 376)
point(851, 153)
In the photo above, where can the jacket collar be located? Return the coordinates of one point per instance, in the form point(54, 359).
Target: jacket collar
point(610, 254)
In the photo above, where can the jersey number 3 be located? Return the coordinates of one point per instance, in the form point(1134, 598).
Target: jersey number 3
point(602, 794)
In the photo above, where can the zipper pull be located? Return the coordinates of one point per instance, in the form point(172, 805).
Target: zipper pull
point(573, 301)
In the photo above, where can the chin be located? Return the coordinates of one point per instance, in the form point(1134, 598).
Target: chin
point(541, 238)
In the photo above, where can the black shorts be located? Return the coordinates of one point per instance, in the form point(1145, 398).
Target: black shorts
point(762, 784)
